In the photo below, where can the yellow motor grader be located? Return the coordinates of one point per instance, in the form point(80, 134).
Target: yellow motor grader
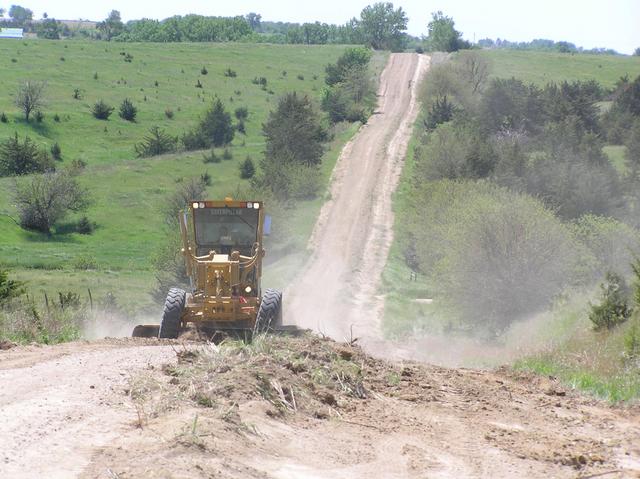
point(223, 251)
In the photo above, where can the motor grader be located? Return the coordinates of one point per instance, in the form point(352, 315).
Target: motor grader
point(222, 245)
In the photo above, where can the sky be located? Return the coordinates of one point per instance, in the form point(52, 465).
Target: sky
point(587, 23)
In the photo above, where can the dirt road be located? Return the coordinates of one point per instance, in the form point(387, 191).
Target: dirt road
point(70, 411)
point(336, 293)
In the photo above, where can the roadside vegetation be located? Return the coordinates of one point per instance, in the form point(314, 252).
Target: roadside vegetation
point(509, 204)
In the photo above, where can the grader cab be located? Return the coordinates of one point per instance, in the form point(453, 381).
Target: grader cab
point(222, 245)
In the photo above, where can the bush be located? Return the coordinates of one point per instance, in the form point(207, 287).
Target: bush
point(241, 113)
point(211, 157)
point(56, 118)
point(204, 70)
point(227, 155)
point(300, 76)
point(613, 308)
point(85, 263)
point(157, 142)
point(259, 81)
point(18, 158)
point(216, 127)
point(611, 242)
point(9, 288)
point(56, 152)
point(198, 84)
point(3, 118)
point(495, 256)
point(350, 59)
point(127, 110)
point(85, 226)
point(240, 126)
point(441, 111)
point(631, 341)
point(101, 110)
point(77, 94)
point(247, 168)
point(230, 73)
point(45, 199)
point(192, 189)
point(169, 113)
point(206, 178)
point(193, 140)
point(454, 151)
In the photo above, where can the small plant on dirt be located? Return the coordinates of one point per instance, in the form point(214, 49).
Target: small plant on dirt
point(3, 118)
point(211, 157)
point(101, 110)
point(247, 168)
point(169, 113)
point(206, 178)
point(227, 155)
point(204, 70)
point(230, 73)
point(56, 152)
point(613, 308)
point(128, 111)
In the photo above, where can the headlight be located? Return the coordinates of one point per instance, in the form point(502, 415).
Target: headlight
point(247, 289)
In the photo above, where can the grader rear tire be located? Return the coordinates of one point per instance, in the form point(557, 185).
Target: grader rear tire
point(270, 312)
point(173, 307)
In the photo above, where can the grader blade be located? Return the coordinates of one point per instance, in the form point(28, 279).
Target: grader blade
point(146, 331)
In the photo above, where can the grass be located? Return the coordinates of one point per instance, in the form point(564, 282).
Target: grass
point(616, 153)
point(127, 191)
point(544, 67)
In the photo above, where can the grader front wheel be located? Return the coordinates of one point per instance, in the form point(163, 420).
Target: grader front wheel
point(173, 307)
point(269, 315)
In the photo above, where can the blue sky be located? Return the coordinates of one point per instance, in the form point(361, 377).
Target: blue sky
point(588, 23)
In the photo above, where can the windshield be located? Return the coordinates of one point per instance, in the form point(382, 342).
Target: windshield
point(226, 227)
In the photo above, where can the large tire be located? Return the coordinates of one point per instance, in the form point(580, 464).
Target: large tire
point(173, 307)
point(270, 312)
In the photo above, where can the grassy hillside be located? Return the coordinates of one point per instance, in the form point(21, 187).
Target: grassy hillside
point(544, 67)
point(127, 191)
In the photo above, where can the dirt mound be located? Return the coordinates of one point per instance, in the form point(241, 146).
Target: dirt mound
point(309, 407)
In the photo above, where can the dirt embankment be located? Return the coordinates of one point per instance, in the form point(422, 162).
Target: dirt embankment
point(311, 408)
